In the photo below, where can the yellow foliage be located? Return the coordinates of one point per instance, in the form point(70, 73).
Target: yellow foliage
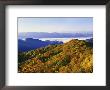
point(74, 56)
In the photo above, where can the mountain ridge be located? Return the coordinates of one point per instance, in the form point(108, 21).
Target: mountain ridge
point(52, 35)
point(75, 56)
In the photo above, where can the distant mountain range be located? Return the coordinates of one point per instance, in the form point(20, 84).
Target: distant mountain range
point(23, 35)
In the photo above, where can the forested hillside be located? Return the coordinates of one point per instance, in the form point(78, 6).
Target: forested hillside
point(75, 56)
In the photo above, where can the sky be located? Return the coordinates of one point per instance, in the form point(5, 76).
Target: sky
point(59, 25)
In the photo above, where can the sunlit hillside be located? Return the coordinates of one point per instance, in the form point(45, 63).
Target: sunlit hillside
point(75, 56)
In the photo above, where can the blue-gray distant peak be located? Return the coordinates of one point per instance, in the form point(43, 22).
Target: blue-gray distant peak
point(53, 35)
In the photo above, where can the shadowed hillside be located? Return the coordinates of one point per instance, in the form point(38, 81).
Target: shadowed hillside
point(75, 56)
point(30, 44)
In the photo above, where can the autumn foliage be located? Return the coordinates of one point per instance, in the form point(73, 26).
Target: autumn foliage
point(75, 56)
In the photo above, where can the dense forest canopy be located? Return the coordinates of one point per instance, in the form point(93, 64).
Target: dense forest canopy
point(75, 56)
